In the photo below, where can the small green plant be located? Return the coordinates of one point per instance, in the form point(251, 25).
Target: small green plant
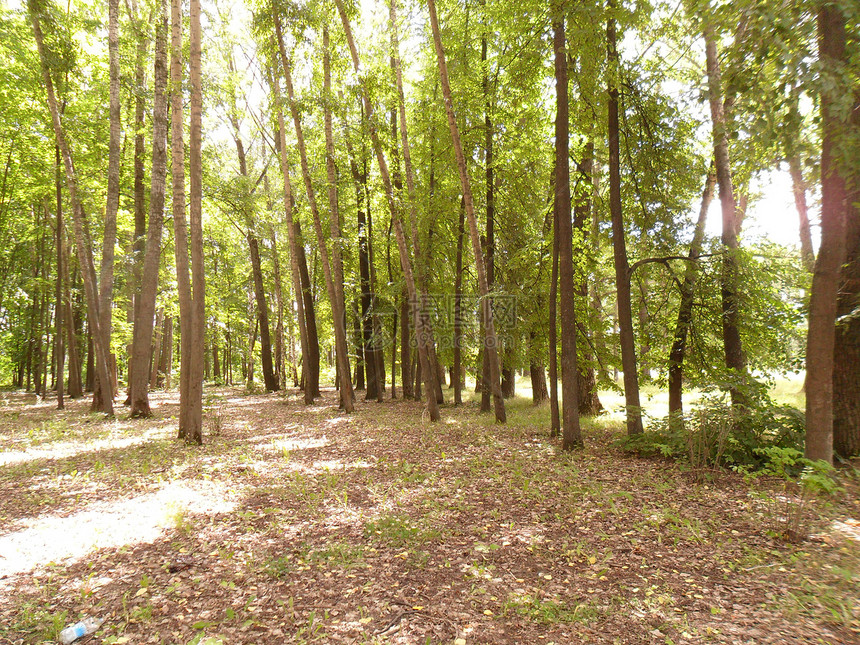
point(35, 622)
point(802, 481)
point(549, 611)
point(399, 531)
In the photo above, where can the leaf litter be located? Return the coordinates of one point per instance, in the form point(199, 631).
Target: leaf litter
point(299, 524)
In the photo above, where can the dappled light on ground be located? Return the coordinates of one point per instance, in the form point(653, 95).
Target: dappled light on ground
point(63, 538)
point(301, 524)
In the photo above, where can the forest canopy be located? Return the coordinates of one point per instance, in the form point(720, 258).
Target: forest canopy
point(403, 199)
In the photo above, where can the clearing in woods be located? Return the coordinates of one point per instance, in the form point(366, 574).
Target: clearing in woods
point(297, 524)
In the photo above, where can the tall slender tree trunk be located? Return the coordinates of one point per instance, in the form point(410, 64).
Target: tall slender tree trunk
point(417, 293)
point(313, 370)
point(490, 338)
point(157, 343)
point(555, 409)
point(112, 205)
point(824, 301)
point(734, 354)
point(139, 242)
point(589, 403)
point(143, 324)
point(60, 306)
point(180, 222)
point(422, 323)
point(347, 396)
point(194, 430)
point(270, 378)
point(622, 269)
point(82, 241)
point(798, 188)
point(280, 353)
point(490, 248)
point(571, 432)
point(346, 389)
point(685, 309)
point(359, 178)
point(457, 376)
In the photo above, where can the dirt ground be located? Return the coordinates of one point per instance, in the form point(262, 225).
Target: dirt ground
point(296, 524)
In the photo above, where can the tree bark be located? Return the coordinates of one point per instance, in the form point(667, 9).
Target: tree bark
point(418, 294)
point(490, 338)
point(798, 188)
point(139, 242)
point(143, 324)
point(60, 354)
point(106, 278)
point(571, 432)
point(685, 309)
point(312, 379)
point(194, 432)
point(157, 342)
point(359, 178)
point(457, 375)
point(180, 225)
point(82, 241)
point(824, 299)
point(589, 403)
point(734, 355)
point(622, 270)
point(347, 395)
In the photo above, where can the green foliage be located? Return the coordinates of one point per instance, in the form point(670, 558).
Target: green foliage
point(801, 480)
point(714, 434)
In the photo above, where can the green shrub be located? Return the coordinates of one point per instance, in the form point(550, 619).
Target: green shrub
point(714, 434)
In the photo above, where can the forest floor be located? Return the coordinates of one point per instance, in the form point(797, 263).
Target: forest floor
point(296, 524)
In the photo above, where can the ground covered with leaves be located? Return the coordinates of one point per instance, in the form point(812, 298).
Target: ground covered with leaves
point(296, 524)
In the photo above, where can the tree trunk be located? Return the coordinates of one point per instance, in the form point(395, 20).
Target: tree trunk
point(270, 379)
point(821, 370)
point(457, 376)
point(555, 414)
point(180, 226)
point(313, 370)
point(371, 363)
point(347, 396)
point(194, 430)
point(303, 299)
point(418, 294)
point(490, 248)
point(142, 343)
point(571, 432)
point(346, 390)
point(622, 270)
point(82, 241)
point(734, 354)
point(60, 306)
point(685, 309)
point(589, 403)
point(405, 347)
point(490, 338)
point(798, 187)
point(158, 341)
point(112, 205)
point(280, 352)
point(167, 352)
point(139, 242)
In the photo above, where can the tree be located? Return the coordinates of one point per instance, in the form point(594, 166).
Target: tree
point(143, 323)
point(619, 244)
point(821, 336)
point(490, 338)
point(571, 433)
point(733, 348)
point(338, 314)
point(82, 239)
